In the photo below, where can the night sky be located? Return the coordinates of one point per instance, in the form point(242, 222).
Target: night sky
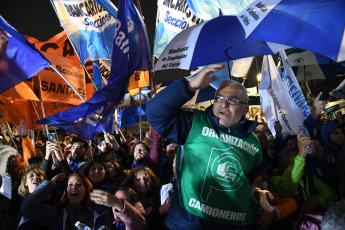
point(37, 18)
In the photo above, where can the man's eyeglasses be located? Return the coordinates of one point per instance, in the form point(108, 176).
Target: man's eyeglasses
point(230, 100)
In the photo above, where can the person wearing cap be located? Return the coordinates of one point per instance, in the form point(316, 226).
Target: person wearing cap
point(170, 151)
point(221, 155)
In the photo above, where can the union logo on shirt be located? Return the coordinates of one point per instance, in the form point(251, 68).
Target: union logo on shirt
point(224, 172)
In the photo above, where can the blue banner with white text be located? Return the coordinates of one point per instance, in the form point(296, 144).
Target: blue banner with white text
point(89, 27)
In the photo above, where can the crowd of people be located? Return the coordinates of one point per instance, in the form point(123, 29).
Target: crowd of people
point(211, 169)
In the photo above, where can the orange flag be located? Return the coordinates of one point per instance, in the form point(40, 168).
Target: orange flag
point(137, 81)
point(59, 45)
point(54, 88)
point(21, 91)
point(23, 109)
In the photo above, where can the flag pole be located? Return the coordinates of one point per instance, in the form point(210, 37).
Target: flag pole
point(44, 116)
point(10, 134)
point(87, 73)
point(140, 114)
point(153, 82)
point(305, 80)
point(139, 8)
point(269, 75)
point(56, 135)
point(230, 77)
point(38, 116)
point(118, 124)
point(69, 83)
point(32, 137)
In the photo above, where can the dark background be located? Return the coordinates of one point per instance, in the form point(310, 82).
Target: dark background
point(37, 18)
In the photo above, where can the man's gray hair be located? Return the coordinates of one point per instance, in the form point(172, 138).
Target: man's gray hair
point(225, 83)
point(334, 218)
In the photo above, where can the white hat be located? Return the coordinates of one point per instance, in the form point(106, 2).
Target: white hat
point(5, 152)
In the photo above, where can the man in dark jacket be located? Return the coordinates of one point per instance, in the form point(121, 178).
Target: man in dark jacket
point(221, 155)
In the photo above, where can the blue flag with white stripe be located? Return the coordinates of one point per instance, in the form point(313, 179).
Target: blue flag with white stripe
point(89, 27)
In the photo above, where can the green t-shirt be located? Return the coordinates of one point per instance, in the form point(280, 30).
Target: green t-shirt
point(212, 179)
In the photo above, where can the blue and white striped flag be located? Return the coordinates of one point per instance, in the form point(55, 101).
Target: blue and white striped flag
point(89, 27)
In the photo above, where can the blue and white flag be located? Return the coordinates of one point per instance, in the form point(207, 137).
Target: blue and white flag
point(130, 53)
point(19, 59)
point(131, 115)
point(89, 27)
point(177, 15)
point(108, 6)
point(213, 8)
point(280, 103)
point(101, 72)
point(293, 87)
point(172, 18)
point(131, 50)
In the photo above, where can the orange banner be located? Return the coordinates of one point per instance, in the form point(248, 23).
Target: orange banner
point(138, 80)
point(23, 109)
point(56, 107)
point(54, 88)
point(59, 45)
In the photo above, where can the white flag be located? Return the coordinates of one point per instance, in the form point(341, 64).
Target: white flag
point(276, 101)
point(294, 88)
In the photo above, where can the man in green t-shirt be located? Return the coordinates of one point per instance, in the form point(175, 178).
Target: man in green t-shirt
point(220, 157)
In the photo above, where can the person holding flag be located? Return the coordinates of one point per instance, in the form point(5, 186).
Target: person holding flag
point(221, 156)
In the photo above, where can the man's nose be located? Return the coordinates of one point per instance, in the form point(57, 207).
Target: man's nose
point(225, 103)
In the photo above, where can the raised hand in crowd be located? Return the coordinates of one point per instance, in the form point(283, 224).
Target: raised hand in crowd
point(318, 106)
point(149, 134)
point(22, 128)
point(303, 141)
point(105, 198)
point(54, 148)
point(57, 178)
point(111, 140)
point(278, 128)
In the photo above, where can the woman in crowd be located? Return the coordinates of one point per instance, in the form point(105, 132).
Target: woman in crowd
point(31, 179)
point(147, 185)
point(95, 171)
point(75, 205)
point(114, 173)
